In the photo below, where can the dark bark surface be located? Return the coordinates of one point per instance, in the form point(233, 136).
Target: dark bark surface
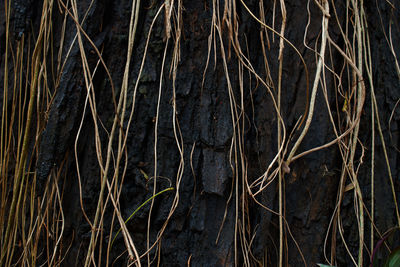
point(202, 230)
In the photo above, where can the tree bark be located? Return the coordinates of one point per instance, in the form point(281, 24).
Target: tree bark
point(204, 123)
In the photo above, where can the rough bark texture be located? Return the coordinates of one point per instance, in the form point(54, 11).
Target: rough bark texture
point(206, 209)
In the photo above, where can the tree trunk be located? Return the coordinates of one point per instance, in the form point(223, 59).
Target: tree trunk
point(207, 100)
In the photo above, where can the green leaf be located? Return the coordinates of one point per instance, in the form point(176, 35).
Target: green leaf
point(144, 203)
point(394, 258)
point(324, 265)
